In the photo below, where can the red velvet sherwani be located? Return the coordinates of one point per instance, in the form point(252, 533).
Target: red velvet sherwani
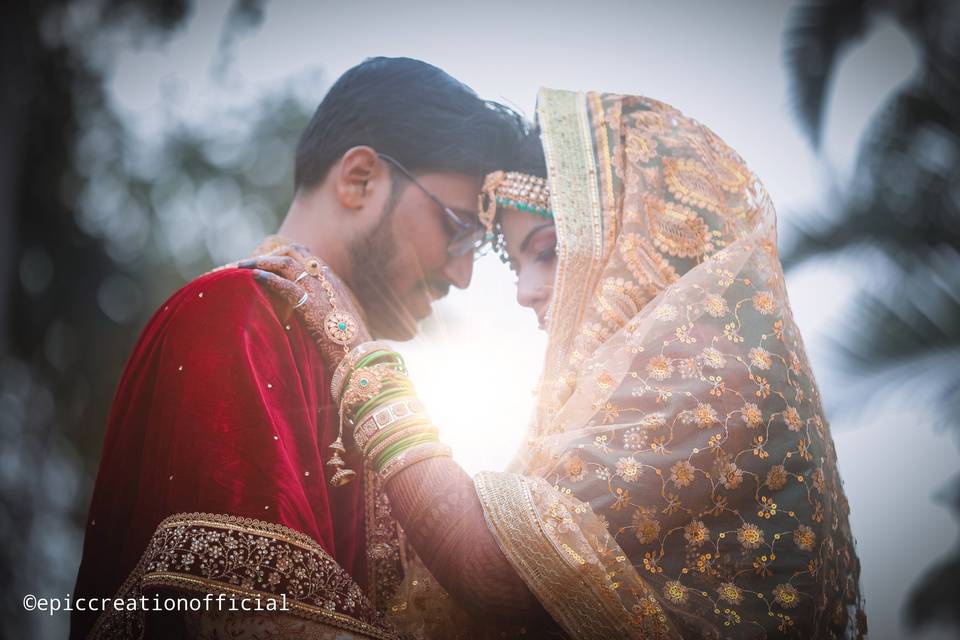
point(219, 433)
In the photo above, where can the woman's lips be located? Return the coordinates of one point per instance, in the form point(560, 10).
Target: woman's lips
point(542, 318)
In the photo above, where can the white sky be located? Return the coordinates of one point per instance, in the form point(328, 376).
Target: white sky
point(720, 62)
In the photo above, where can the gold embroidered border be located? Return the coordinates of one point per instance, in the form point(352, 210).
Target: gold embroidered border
point(568, 147)
point(581, 610)
point(213, 553)
point(384, 568)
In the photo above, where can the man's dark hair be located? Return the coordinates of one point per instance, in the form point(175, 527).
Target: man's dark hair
point(411, 111)
point(527, 155)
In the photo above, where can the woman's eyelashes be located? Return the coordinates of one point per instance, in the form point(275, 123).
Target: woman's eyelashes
point(547, 254)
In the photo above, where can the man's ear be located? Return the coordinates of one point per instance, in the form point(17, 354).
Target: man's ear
point(356, 175)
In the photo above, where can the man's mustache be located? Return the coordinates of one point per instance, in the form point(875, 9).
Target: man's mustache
point(436, 289)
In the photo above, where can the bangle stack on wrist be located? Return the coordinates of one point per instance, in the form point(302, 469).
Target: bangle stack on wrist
point(377, 398)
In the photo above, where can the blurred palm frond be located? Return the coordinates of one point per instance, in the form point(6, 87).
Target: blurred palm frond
point(903, 201)
point(818, 32)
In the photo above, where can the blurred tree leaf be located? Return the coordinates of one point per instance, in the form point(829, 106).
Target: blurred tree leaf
point(818, 32)
point(904, 200)
point(88, 248)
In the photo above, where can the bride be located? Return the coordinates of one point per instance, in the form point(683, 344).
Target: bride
point(679, 478)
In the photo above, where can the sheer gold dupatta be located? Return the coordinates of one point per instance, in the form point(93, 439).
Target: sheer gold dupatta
point(680, 477)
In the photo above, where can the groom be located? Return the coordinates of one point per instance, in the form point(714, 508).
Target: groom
point(214, 477)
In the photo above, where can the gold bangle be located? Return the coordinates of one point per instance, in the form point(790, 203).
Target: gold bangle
point(385, 417)
point(367, 383)
point(416, 428)
point(412, 456)
point(340, 374)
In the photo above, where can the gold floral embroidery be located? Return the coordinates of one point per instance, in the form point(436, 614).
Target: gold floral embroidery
point(731, 475)
point(692, 183)
point(675, 592)
point(640, 147)
point(696, 533)
point(716, 306)
point(751, 414)
point(786, 596)
point(629, 469)
point(792, 417)
point(660, 368)
point(804, 537)
point(677, 230)
point(210, 553)
point(764, 303)
point(576, 468)
point(713, 358)
point(647, 529)
point(703, 416)
point(750, 536)
point(730, 593)
point(682, 473)
point(760, 358)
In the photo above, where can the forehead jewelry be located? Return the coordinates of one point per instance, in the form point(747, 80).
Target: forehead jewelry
point(341, 328)
point(520, 191)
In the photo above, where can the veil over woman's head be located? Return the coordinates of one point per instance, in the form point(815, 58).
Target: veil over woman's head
point(679, 453)
point(641, 197)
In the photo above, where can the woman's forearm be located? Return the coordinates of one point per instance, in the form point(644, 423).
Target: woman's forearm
point(436, 503)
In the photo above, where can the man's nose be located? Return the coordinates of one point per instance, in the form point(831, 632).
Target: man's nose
point(459, 270)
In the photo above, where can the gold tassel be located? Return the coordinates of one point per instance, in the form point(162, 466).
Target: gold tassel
point(342, 475)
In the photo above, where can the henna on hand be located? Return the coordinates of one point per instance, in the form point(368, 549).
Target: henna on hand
point(284, 272)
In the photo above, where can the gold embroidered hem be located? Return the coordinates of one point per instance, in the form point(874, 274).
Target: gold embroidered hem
point(252, 626)
point(573, 584)
point(212, 553)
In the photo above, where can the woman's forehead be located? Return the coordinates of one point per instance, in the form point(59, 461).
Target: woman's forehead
point(520, 227)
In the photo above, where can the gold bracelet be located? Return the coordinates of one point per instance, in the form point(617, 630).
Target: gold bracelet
point(340, 327)
point(367, 383)
point(412, 456)
point(386, 416)
point(346, 365)
point(402, 432)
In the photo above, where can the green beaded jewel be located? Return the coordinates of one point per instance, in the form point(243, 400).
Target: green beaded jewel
point(522, 206)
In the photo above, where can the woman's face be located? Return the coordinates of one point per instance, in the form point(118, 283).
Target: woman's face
point(531, 243)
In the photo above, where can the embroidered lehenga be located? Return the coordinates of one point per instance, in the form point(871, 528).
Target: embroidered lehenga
point(679, 478)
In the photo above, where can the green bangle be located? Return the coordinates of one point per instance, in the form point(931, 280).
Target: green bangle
point(378, 355)
point(368, 359)
point(398, 448)
point(389, 446)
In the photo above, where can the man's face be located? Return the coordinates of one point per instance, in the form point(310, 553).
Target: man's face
point(402, 265)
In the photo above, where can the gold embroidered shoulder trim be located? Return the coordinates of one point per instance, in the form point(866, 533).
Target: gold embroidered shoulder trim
point(214, 553)
point(511, 516)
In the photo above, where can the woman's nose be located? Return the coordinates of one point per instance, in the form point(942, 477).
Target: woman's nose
point(531, 292)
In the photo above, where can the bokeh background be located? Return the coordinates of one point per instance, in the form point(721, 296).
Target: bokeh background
point(142, 143)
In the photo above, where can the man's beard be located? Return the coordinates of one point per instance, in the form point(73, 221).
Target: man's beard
point(373, 261)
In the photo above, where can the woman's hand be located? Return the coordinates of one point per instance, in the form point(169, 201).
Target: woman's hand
point(323, 301)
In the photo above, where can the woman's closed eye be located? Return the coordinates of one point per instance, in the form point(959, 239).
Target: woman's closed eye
point(547, 254)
